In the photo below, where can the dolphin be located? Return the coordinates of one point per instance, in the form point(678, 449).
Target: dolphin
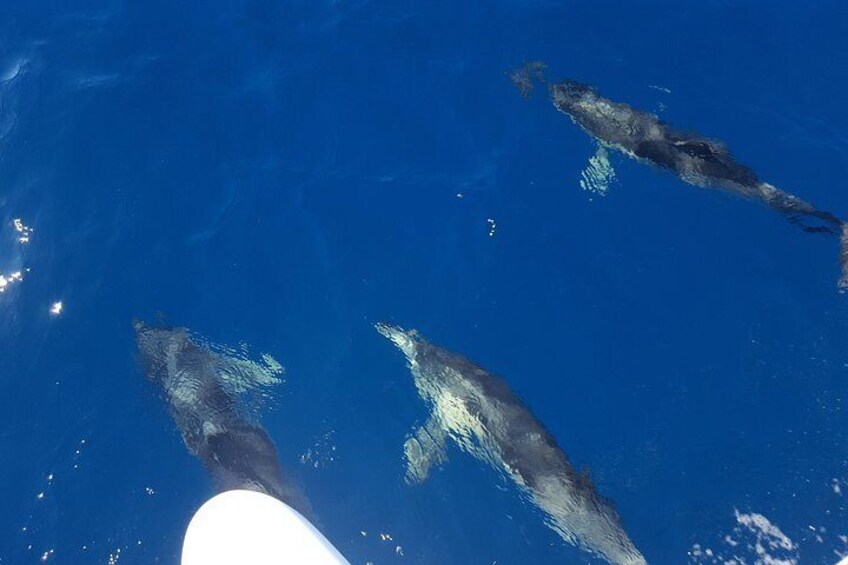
point(696, 160)
point(480, 414)
point(201, 387)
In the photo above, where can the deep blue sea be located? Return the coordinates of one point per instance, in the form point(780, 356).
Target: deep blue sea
point(280, 176)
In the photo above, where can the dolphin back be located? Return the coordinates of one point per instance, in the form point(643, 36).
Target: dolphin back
point(200, 386)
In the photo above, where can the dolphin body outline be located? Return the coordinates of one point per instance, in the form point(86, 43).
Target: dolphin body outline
point(238, 453)
point(697, 160)
point(480, 414)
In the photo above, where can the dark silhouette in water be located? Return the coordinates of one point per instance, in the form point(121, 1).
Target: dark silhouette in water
point(200, 387)
point(524, 78)
point(695, 159)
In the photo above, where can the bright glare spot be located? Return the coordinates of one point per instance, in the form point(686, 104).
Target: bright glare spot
point(23, 230)
point(24, 233)
point(56, 308)
point(7, 280)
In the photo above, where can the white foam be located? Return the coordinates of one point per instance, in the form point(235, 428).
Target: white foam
point(755, 540)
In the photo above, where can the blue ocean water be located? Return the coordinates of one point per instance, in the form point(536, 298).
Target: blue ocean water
point(284, 175)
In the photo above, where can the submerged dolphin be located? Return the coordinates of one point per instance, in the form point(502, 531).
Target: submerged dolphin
point(201, 387)
point(482, 416)
point(695, 159)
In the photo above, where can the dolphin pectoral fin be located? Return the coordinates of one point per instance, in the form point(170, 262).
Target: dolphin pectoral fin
point(423, 449)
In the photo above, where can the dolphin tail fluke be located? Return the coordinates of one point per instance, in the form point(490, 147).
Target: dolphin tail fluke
point(843, 259)
point(803, 214)
point(809, 219)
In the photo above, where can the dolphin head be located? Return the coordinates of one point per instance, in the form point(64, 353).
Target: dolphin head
point(406, 341)
point(156, 345)
point(416, 351)
point(572, 88)
point(568, 93)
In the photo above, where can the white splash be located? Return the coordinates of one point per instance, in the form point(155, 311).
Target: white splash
point(769, 538)
point(56, 308)
point(755, 540)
